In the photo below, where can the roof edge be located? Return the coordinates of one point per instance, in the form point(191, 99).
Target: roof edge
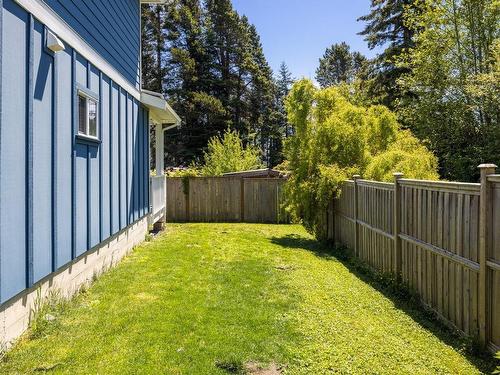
point(161, 111)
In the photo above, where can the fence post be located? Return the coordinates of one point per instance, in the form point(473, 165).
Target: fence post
point(355, 178)
point(396, 223)
point(484, 218)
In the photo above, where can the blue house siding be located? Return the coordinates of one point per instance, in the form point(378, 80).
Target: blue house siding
point(60, 196)
point(111, 27)
point(105, 159)
point(81, 228)
point(94, 155)
point(123, 162)
point(135, 175)
point(42, 156)
point(13, 173)
point(115, 159)
point(64, 151)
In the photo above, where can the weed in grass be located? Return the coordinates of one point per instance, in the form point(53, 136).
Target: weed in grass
point(43, 316)
point(231, 366)
point(47, 368)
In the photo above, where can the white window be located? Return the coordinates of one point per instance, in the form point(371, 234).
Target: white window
point(87, 116)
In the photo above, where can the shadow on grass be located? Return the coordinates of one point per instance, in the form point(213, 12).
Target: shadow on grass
point(403, 298)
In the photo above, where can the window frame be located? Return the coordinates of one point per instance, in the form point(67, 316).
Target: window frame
point(82, 92)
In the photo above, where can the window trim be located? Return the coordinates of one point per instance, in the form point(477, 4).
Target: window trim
point(87, 94)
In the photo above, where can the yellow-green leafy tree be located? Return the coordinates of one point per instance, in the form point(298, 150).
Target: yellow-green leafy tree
point(335, 138)
point(452, 82)
point(228, 154)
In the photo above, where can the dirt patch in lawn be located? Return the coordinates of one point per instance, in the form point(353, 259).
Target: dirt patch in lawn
point(249, 368)
point(254, 368)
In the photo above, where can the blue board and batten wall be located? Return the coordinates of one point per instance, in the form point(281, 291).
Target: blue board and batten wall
point(61, 195)
point(110, 27)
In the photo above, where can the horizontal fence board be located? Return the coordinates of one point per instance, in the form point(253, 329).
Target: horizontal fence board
point(444, 186)
point(439, 234)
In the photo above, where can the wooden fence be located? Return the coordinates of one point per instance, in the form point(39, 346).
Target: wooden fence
point(441, 238)
point(225, 199)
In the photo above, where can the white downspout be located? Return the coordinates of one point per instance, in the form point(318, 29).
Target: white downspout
point(160, 151)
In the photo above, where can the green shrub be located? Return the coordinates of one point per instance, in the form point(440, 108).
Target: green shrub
point(335, 138)
point(189, 172)
point(228, 154)
point(497, 370)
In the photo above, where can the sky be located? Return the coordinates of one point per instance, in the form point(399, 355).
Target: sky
point(299, 31)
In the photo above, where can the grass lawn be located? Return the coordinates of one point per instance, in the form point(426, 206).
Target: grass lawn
point(209, 298)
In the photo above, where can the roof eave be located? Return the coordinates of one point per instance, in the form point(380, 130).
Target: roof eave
point(160, 111)
point(153, 1)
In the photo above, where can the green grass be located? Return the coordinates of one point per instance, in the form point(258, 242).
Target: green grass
point(208, 298)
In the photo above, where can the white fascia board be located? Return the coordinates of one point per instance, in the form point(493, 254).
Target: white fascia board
point(57, 25)
point(174, 114)
point(160, 110)
point(152, 101)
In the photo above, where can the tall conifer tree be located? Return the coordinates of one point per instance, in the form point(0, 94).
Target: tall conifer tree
point(153, 47)
point(386, 27)
point(339, 65)
point(216, 77)
point(284, 83)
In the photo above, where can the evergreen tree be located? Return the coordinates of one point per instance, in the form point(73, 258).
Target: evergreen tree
point(385, 26)
point(284, 84)
point(339, 65)
point(188, 83)
point(222, 38)
point(216, 77)
point(264, 113)
point(153, 47)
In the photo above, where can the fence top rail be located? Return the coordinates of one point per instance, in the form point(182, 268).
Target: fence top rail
point(494, 178)
point(454, 187)
point(279, 179)
point(206, 179)
point(226, 178)
point(376, 184)
point(349, 182)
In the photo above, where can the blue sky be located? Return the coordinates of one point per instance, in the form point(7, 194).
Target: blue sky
point(299, 31)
